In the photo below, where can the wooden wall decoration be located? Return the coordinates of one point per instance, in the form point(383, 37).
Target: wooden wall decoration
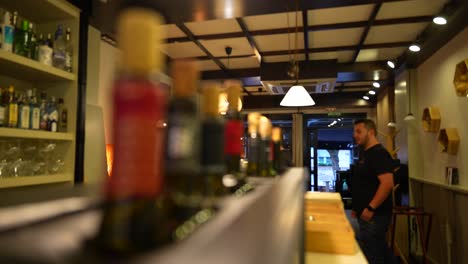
point(460, 80)
point(449, 140)
point(431, 119)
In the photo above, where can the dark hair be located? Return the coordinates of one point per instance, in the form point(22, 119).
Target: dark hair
point(369, 124)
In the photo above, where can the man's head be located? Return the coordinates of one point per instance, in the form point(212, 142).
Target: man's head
point(364, 132)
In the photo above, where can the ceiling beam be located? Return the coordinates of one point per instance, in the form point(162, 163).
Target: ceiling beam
point(305, 24)
point(249, 37)
point(351, 99)
point(370, 22)
point(311, 28)
point(192, 37)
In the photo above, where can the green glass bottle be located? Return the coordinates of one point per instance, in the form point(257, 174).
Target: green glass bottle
point(33, 51)
point(277, 160)
point(213, 167)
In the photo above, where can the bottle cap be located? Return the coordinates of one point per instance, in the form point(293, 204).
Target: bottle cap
point(264, 127)
point(276, 134)
point(210, 98)
point(233, 94)
point(185, 76)
point(139, 35)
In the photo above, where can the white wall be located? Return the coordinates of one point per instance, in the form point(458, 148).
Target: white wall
point(434, 87)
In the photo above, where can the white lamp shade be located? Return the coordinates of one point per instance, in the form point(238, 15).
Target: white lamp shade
point(297, 96)
point(410, 117)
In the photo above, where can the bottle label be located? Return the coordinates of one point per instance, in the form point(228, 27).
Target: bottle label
point(53, 116)
point(68, 61)
point(24, 117)
point(232, 139)
point(63, 120)
point(35, 120)
point(53, 126)
point(139, 136)
point(7, 38)
point(13, 115)
point(181, 136)
point(45, 55)
point(2, 115)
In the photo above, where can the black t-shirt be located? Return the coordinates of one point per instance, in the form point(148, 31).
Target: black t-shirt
point(372, 163)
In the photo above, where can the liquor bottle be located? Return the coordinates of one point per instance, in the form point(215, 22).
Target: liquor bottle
point(35, 109)
point(265, 164)
point(135, 217)
point(8, 32)
point(68, 52)
point(213, 165)
point(12, 108)
point(44, 117)
point(45, 50)
point(5, 104)
point(18, 36)
point(33, 44)
point(53, 115)
point(183, 137)
point(233, 131)
point(59, 46)
point(49, 42)
point(63, 116)
point(2, 108)
point(253, 143)
point(276, 139)
point(24, 111)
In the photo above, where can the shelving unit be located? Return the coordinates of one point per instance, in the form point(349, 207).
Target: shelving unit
point(25, 73)
point(455, 188)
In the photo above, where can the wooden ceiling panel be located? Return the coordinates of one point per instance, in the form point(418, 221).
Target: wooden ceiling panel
point(182, 50)
point(341, 56)
point(172, 31)
point(410, 8)
point(240, 46)
point(241, 63)
point(208, 65)
point(334, 38)
point(273, 21)
point(339, 15)
point(282, 58)
point(210, 27)
point(380, 54)
point(279, 42)
point(394, 33)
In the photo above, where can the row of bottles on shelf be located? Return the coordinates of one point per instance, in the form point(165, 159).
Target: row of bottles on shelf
point(26, 111)
point(19, 36)
point(170, 159)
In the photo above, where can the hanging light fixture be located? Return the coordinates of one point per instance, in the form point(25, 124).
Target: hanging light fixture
point(297, 95)
point(410, 116)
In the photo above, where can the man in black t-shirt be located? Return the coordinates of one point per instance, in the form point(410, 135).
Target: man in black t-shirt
point(372, 193)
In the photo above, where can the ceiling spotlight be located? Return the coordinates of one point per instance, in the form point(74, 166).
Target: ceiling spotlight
point(376, 84)
point(365, 97)
point(372, 92)
point(439, 20)
point(391, 64)
point(415, 48)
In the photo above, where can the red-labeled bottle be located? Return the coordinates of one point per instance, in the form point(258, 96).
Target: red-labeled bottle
point(234, 130)
point(135, 217)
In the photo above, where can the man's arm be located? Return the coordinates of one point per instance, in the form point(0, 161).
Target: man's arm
point(384, 190)
point(385, 187)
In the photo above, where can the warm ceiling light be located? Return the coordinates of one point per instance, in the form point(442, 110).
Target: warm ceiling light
point(372, 92)
point(415, 48)
point(365, 97)
point(223, 104)
point(391, 64)
point(297, 96)
point(439, 20)
point(410, 117)
point(376, 84)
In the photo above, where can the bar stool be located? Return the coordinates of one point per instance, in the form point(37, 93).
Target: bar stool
point(421, 216)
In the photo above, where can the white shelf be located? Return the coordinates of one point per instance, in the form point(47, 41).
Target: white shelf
point(455, 188)
point(40, 11)
point(35, 134)
point(34, 180)
point(22, 68)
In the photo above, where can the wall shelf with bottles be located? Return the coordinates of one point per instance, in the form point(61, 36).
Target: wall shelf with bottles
point(34, 180)
point(20, 67)
point(35, 134)
point(41, 80)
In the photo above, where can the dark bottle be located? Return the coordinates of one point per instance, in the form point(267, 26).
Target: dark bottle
point(33, 44)
point(63, 116)
point(265, 164)
point(277, 160)
point(136, 215)
point(44, 116)
point(12, 108)
point(3, 107)
point(233, 130)
point(213, 166)
point(253, 143)
point(183, 166)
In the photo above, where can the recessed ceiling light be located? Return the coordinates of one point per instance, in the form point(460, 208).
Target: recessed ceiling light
point(391, 64)
point(365, 97)
point(415, 48)
point(376, 84)
point(439, 20)
point(371, 92)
